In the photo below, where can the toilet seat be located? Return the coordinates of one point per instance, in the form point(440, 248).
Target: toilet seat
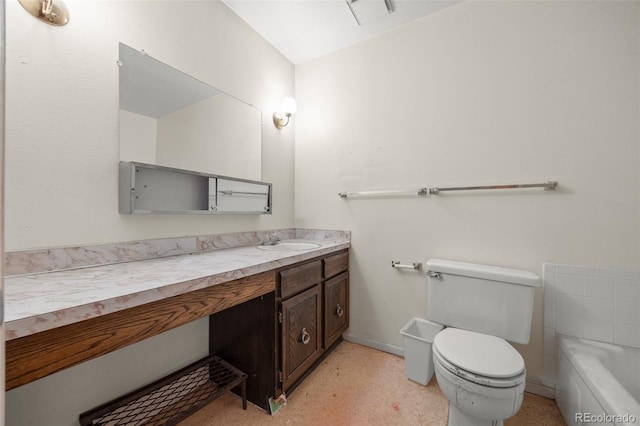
point(479, 358)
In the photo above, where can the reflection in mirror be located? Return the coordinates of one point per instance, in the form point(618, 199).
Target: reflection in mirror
point(171, 119)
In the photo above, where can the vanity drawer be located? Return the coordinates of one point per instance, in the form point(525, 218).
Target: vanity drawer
point(299, 278)
point(335, 264)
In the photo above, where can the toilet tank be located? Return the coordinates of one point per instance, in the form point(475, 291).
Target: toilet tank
point(486, 299)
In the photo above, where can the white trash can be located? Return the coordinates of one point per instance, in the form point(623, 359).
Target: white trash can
point(418, 337)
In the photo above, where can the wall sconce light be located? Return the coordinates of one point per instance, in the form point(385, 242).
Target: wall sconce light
point(281, 119)
point(47, 11)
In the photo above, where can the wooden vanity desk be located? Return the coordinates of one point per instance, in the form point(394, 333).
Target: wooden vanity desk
point(35, 356)
point(42, 344)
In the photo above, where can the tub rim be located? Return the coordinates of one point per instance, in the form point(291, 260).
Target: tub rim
point(620, 404)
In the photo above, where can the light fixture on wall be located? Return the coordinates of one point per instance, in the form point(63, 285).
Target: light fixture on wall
point(47, 11)
point(282, 118)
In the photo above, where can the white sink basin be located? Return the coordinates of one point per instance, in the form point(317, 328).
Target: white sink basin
point(290, 246)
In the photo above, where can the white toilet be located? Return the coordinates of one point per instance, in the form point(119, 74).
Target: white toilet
point(481, 374)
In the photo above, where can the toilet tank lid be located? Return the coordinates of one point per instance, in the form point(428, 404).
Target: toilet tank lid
point(495, 273)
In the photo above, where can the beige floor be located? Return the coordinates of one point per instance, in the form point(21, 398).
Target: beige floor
point(357, 385)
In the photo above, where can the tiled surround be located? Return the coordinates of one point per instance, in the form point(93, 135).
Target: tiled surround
point(61, 258)
point(601, 304)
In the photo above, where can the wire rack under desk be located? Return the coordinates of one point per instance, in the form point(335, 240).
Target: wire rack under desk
point(172, 398)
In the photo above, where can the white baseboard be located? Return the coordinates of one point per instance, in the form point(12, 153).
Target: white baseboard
point(540, 389)
point(384, 347)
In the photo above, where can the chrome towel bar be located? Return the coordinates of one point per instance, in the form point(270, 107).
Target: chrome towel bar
point(547, 186)
point(418, 191)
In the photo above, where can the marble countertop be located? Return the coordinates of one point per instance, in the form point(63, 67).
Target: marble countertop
point(40, 302)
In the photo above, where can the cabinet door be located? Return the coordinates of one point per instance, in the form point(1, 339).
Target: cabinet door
point(237, 196)
point(336, 313)
point(301, 334)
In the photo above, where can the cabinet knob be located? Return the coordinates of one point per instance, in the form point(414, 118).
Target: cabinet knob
point(339, 310)
point(305, 337)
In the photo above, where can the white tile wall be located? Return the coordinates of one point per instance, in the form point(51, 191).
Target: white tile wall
point(600, 304)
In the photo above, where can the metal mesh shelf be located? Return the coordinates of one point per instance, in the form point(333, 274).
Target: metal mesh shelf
point(172, 398)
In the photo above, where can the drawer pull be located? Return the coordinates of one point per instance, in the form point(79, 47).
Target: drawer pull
point(305, 336)
point(339, 310)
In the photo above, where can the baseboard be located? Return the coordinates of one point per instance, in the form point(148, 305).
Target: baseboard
point(384, 347)
point(540, 389)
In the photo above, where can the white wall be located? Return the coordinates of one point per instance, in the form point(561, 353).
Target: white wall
point(138, 135)
point(62, 115)
point(212, 136)
point(62, 159)
point(479, 93)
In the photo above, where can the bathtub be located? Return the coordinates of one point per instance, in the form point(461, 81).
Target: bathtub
point(598, 383)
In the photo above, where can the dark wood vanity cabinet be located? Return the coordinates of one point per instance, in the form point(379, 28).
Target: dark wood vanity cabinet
point(279, 338)
point(313, 313)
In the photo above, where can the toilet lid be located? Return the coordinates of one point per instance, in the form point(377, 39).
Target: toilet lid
point(478, 353)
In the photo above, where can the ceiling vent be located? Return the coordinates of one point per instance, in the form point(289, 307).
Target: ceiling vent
point(365, 11)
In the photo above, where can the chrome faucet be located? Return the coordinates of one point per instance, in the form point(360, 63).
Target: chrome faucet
point(271, 241)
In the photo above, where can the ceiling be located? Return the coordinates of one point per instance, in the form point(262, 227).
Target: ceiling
point(305, 29)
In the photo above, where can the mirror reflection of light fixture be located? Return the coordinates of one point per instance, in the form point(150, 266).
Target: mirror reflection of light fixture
point(47, 11)
point(281, 119)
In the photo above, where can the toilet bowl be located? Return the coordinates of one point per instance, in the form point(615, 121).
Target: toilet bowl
point(482, 376)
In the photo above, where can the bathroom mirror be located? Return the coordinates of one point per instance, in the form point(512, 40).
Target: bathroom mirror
point(171, 119)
